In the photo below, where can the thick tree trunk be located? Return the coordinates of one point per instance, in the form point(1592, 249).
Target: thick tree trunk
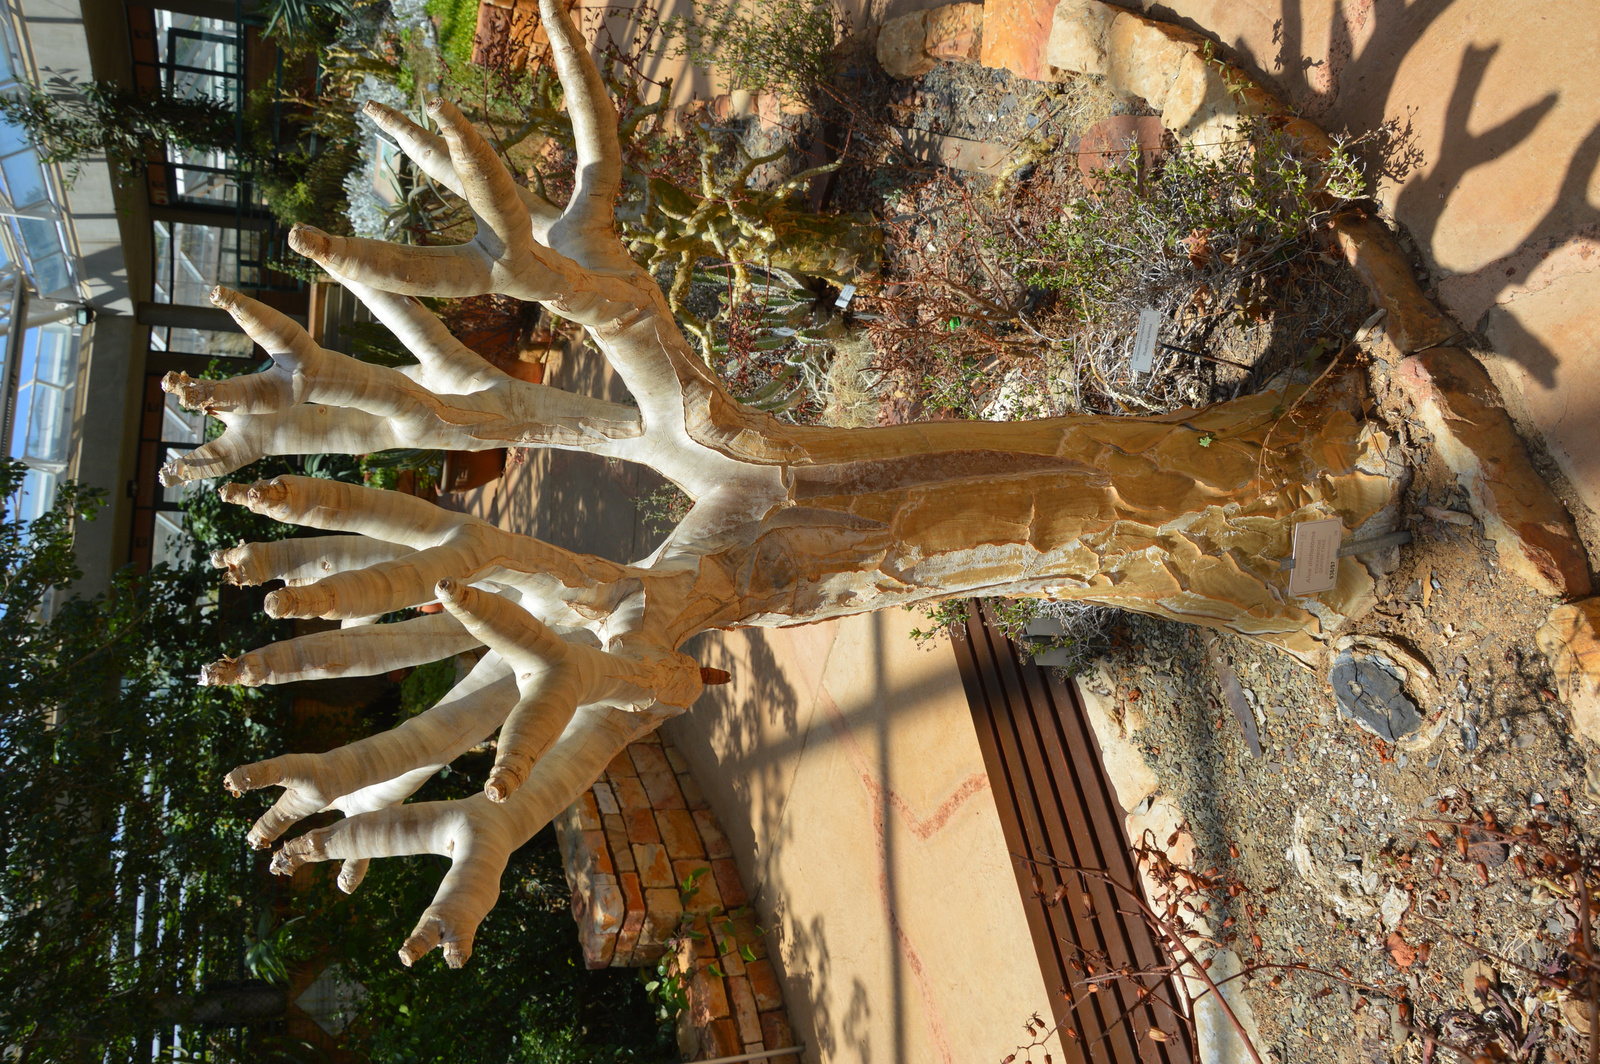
point(1186, 515)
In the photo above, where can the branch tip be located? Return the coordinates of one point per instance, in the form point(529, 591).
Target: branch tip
point(309, 241)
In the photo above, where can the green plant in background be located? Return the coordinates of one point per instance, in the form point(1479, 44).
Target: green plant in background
point(104, 827)
point(305, 188)
point(299, 20)
point(665, 507)
point(668, 991)
point(70, 120)
point(1220, 216)
point(458, 24)
point(945, 617)
point(269, 950)
point(785, 46)
point(426, 685)
point(1083, 629)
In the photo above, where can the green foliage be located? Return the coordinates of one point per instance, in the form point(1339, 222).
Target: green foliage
point(1250, 205)
point(458, 24)
point(383, 469)
point(664, 507)
point(945, 617)
point(426, 685)
point(70, 121)
point(268, 951)
point(309, 189)
point(108, 795)
point(785, 46)
point(525, 996)
point(299, 21)
point(1083, 626)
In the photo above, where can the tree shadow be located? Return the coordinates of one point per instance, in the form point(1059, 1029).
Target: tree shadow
point(1350, 87)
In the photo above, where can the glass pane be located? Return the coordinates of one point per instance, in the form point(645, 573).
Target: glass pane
point(30, 355)
point(37, 493)
point(172, 546)
point(57, 362)
point(51, 275)
point(19, 426)
point(161, 238)
point(205, 186)
point(39, 237)
point(24, 180)
point(181, 426)
point(12, 138)
point(203, 342)
point(202, 257)
point(49, 424)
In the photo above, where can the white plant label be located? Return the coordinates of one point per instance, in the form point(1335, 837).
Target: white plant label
point(1316, 556)
point(1144, 341)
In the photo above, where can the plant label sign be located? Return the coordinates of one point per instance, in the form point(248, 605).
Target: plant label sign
point(1316, 556)
point(1144, 341)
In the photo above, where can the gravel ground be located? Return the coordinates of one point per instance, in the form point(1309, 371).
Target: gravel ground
point(1408, 924)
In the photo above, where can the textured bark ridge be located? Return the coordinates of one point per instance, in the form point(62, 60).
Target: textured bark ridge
point(1184, 515)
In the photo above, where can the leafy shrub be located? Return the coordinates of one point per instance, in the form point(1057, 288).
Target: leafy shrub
point(785, 46)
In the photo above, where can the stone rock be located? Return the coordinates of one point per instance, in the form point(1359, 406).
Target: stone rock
point(1107, 143)
point(1077, 41)
point(1014, 37)
point(1533, 533)
point(911, 45)
point(1393, 908)
point(1370, 690)
point(1571, 645)
point(1413, 322)
point(1200, 100)
point(900, 46)
point(955, 32)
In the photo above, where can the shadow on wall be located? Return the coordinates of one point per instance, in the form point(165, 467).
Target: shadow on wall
point(1349, 85)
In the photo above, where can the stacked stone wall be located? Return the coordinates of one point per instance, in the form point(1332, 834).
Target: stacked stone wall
point(654, 883)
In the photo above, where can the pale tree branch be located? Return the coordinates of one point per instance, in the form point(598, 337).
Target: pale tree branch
point(370, 650)
point(432, 155)
point(466, 716)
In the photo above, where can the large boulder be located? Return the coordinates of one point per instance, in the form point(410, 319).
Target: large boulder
point(1533, 534)
point(955, 32)
point(900, 46)
point(909, 46)
point(1077, 41)
point(1015, 32)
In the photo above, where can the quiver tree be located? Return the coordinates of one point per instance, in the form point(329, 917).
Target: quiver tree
point(1185, 516)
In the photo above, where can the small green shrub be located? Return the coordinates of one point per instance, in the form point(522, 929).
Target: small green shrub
point(1085, 627)
point(309, 189)
point(664, 507)
point(785, 46)
point(1252, 204)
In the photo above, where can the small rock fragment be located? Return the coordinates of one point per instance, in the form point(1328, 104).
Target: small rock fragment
point(1393, 907)
point(1077, 41)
